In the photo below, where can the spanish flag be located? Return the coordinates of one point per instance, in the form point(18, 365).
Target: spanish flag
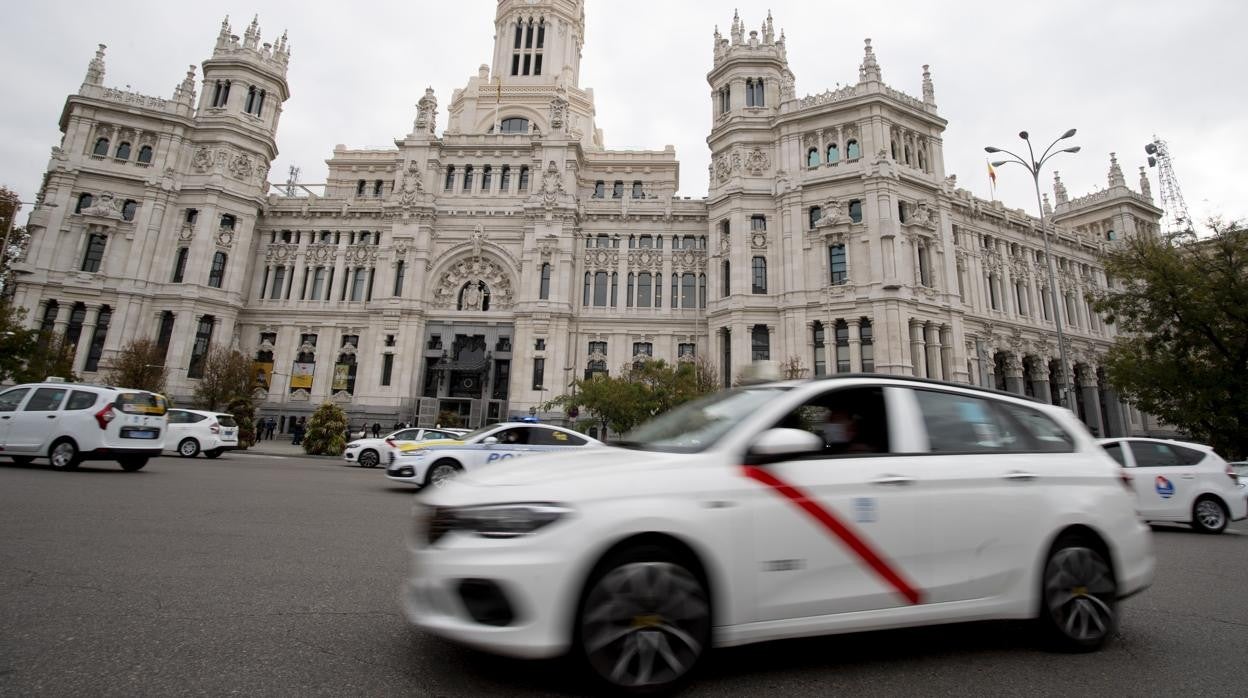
point(992, 174)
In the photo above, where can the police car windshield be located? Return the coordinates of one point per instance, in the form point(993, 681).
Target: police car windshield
point(696, 426)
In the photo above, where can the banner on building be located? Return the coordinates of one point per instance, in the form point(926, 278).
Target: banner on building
point(264, 374)
point(301, 375)
point(342, 373)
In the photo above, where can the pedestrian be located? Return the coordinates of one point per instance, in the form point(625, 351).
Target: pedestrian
point(270, 427)
point(376, 430)
point(297, 431)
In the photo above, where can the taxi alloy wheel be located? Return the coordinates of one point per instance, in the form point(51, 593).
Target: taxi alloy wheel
point(1080, 596)
point(189, 448)
point(64, 455)
point(368, 459)
point(440, 473)
point(644, 624)
point(1209, 516)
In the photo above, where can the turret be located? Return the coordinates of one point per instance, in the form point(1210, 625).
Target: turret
point(245, 83)
point(539, 41)
point(751, 73)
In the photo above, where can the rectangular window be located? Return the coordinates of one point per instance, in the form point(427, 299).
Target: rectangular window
point(758, 223)
point(95, 252)
point(689, 350)
point(842, 347)
point(617, 189)
point(358, 282)
point(637, 192)
point(199, 351)
point(838, 265)
point(543, 291)
point(760, 344)
point(504, 181)
point(524, 179)
point(867, 334)
point(821, 351)
point(759, 275)
point(600, 189)
point(179, 265)
point(216, 274)
point(387, 369)
point(279, 281)
point(965, 424)
point(539, 374)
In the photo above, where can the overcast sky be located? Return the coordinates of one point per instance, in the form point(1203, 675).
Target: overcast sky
point(1118, 70)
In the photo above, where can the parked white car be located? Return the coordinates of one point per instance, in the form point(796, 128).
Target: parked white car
point(369, 453)
point(1179, 481)
point(69, 423)
point(433, 465)
point(783, 510)
point(192, 432)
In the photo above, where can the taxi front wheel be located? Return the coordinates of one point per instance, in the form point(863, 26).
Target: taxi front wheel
point(1080, 596)
point(441, 472)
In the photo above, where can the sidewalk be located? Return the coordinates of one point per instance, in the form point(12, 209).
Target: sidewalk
point(282, 447)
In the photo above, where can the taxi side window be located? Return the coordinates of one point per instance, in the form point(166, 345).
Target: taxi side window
point(959, 423)
point(1187, 456)
point(551, 437)
point(412, 435)
point(192, 418)
point(1149, 454)
point(513, 437)
point(438, 435)
point(46, 400)
point(11, 399)
point(1115, 451)
point(174, 416)
point(1044, 433)
point(850, 421)
point(81, 400)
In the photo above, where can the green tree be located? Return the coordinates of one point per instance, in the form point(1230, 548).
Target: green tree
point(17, 344)
point(245, 416)
point(50, 355)
point(228, 374)
point(327, 431)
point(1182, 307)
point(640, 392)
point(140, 364)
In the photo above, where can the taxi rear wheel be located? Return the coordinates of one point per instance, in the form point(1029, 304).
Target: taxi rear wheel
point(133, 463)
point(189, 448)
point(441, 472)
point(1080, 596)
point(644, 621)
point(368, 459)
point(1208, 515)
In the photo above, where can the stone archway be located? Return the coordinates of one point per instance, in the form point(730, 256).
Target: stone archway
point(474, 284)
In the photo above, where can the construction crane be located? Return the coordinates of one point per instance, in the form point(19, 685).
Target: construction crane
point(1176, 220)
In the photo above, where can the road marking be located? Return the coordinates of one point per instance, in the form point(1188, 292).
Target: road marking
point(842, 532)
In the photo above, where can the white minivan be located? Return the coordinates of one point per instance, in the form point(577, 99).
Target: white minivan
point(69, 423)
point(1179, 481)
point(194, 431)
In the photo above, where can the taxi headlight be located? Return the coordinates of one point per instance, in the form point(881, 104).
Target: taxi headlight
point(353, 444)
point(502, 520)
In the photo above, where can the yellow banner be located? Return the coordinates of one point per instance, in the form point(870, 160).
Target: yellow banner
point(341, 373)
point(301, 375)
point(264, 374)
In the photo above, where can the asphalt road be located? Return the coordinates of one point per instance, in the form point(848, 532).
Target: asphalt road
point(278, 576)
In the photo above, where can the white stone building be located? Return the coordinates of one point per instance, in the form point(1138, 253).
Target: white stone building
point(482, 267)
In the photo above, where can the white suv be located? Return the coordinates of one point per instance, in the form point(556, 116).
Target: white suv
point(195, 431)
point(1179, 481)
point(69, 423)
point(783, 510)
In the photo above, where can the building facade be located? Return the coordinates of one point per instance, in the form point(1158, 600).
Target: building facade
point(480, 268)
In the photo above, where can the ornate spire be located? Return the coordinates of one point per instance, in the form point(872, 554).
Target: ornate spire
point(251, 37)
point(1059, 189)
point(185, 92)
point(869, 71)
point(769, 30)
point(1048, 207)
point(1145, 187)
point(95, 69)
point(223, 37)
point(1115, 172)
point(929, 90)
point(738, 30)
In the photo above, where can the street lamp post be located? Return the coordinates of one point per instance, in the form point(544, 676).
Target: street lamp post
point(1032, 165)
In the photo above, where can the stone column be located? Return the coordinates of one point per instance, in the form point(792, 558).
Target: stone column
point(61, 324)
point(916, 347)
point(84, 339)
point(855, 345)
point(1014, 374)
point(946, 352)
point(1091, 401)
point(1114, 420)
point(933, 351)
point(1040, 380)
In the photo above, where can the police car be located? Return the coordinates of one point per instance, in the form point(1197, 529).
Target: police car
point(434, 464)
point(783, 510)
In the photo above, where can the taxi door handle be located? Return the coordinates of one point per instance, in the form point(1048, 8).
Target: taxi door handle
point(1189, 477)
point(1020, 477)
point(893, 481)
point(51, 416)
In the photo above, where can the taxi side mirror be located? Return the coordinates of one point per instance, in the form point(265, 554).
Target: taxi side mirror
point(489, 440)
point(781, 444)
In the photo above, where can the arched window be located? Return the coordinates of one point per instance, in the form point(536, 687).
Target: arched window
point(600, 189)
point(250, 104)
point(760, 342)
point(524, 179)
point(855, 211)
point(632, 284)
point(834, 154)
point(84, 202)
point(199, 351)
point(128, 209)
point(504, 180)
point(543, 291)
point(450, 178)
point(515, 124)
point(816, 213)
point(123, 151)
point(754, 93)
point(77, 316)
point(228, 221)
point(145, 155)
point(359, 282)
point(179, 265)
point(487, 179)
point(923, 166)
point(867, 334)
point(615, 289)
point(852, 151)
point(759, 276)
point(819, 340)
point(101, 148)
point(812, 157)
point(216, 274)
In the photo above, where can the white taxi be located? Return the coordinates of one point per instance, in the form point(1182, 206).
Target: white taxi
point(1180, 481)
point(783, 510)
point(369, 453)
point(497, 443)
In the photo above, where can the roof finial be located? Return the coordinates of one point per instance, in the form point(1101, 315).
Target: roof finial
point(738, 29)
point(1145, 187)
point(1048, 207)
point(929, 90)
point(870, 69)
point(185, 92)
point(95, 69)
point(1115, 172)
point(1059, 189)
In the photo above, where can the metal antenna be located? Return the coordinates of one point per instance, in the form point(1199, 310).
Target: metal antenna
point(292, 181)
point(1177, 219)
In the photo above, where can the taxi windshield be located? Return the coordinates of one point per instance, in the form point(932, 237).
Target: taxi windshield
point(696, 426)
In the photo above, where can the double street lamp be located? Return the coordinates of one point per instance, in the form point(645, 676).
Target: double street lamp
point(1033, 165)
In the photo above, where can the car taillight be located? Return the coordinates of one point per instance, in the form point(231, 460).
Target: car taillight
point(104, 416)
point(1230, 472)
point(1125, 476)
point(214, 428)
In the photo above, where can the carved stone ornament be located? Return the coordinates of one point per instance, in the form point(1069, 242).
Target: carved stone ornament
point(280, 253)
point(833, 215)
point(558, 113)
point(186, 233)
point(645, 259)
point(225, 238)
point(260, 395)
point(411, 187)
point(240, 166)
point(361, 254)
point(307, 348)
point(759, 241)
point(347, 350)
point(454, 279)
point(723, 168)
point(602, 259)
point(202, 161)
point(107, 206)
point(547, 247)
point(322, 253)
point(689, 260)
point(300, 395)
point(922, 216)
point(552, 185)
point(757, 163)
point(598, 357)
point(477, 238)
point(342, 396)
point(427, 113)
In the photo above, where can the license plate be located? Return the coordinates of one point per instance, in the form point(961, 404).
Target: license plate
point(142, 435)
point(228, 432)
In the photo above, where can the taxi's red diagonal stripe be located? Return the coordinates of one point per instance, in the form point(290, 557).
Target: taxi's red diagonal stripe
point(840, 530)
